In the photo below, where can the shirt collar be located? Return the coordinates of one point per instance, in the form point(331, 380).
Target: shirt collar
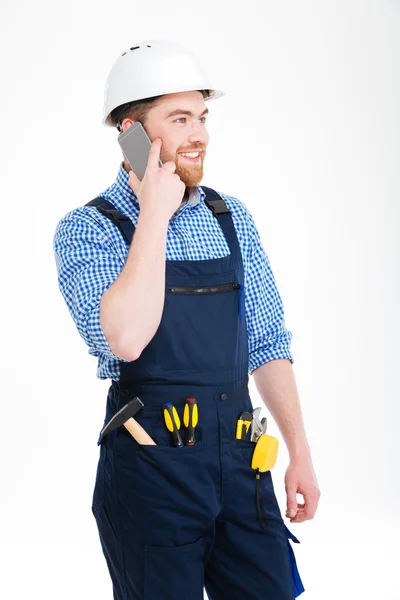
point(196, 194)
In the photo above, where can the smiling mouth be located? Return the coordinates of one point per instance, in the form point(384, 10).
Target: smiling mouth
point(193, 157)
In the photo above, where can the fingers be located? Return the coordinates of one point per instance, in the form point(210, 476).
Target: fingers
point(291, 509)
point(310, 507)
point(305, 511)
point(154, 155)
point(134, 182)
point(301, 517)
point(154, 158)
point(169, 166)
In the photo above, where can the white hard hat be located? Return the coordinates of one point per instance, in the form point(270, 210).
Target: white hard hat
point(153, 68)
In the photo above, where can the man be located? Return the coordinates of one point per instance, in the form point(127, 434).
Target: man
point(184, 307)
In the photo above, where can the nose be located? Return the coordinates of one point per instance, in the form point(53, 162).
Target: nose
point(198, 134)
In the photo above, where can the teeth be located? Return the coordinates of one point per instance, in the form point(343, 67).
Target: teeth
point(190, 154)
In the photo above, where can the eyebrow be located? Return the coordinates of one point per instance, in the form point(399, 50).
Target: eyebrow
point(178, 111)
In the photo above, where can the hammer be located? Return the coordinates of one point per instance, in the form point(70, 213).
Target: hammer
point(124, 417)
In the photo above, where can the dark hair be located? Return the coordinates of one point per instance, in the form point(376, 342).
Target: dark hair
point(137, 110)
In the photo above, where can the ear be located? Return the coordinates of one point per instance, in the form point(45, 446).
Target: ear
point(125, 124)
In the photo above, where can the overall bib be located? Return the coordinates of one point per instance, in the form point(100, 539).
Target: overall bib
point(173, 521)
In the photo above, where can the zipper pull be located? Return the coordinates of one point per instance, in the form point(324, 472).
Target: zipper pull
point(240, 300)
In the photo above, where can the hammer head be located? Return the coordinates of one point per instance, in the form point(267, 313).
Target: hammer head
point(120, 417)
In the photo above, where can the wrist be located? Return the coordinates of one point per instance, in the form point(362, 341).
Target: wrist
point(300, 453)
point(156, 219)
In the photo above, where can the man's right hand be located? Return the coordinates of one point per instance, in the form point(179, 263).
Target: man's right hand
point(161, 189)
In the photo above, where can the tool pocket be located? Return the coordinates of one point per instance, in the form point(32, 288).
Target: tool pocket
point(298, 586)
point(168, 450)
point(159, 458)
point(245, 449)
point(255, 487)
point(161, 484)
point(173, 572)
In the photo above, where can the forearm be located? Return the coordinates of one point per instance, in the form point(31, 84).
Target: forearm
point(276, 385)
point(131, 308)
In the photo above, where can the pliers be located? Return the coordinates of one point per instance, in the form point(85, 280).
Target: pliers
point(257, 427)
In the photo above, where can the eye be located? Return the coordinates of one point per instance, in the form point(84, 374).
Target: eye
point(204, 119)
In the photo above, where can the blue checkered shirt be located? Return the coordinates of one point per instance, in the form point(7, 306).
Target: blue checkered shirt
point(90, 254)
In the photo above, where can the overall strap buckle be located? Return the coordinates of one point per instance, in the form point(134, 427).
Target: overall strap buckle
point(214, 202)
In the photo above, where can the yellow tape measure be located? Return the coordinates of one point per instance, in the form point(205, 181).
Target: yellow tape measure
point(265, 453)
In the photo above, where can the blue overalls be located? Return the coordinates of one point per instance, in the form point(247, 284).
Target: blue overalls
point(173, 521)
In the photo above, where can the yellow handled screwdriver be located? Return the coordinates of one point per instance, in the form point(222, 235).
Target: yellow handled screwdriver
point(243, 425)
point(190, 420)
point(173, 423)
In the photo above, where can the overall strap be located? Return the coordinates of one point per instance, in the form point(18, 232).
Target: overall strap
point(220, 210)
point(107, 209)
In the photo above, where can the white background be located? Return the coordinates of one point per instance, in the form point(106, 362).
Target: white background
point(307, 136)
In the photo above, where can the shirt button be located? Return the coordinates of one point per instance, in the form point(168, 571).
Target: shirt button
point(224, 396)
point(124, 392)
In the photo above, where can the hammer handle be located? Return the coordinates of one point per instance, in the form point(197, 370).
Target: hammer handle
point(137, 432)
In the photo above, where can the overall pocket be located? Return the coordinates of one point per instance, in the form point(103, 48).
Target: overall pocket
point(260, 492)
point(162, 485)
point(210, 289)
point(171, 451)
point(245, 449)
point(173, 572)
point(99, 487)
point(199, 317)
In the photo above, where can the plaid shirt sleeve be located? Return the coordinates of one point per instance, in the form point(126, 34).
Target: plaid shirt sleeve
point(268, 337)
point(86, 266)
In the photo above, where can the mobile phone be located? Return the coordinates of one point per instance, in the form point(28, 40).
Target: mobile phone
point(135, 144)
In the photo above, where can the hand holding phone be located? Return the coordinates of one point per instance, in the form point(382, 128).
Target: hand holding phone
point(135, 144)
point(161, 190)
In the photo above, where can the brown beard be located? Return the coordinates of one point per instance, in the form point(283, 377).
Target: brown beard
point(189, 176)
